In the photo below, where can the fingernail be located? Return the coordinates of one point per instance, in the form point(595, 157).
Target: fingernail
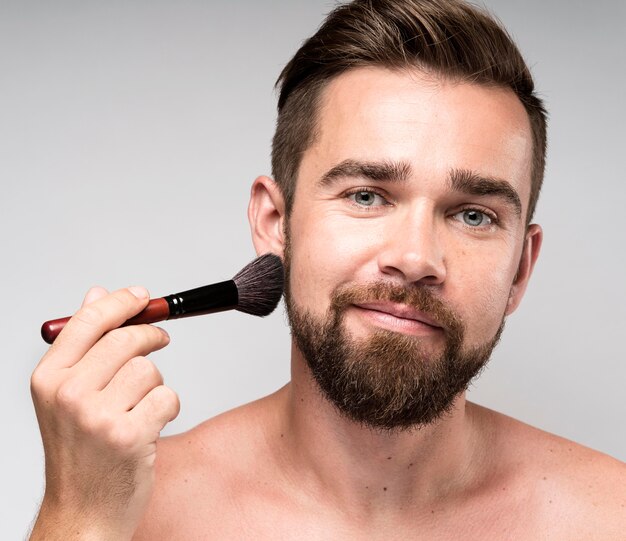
point(139, 292)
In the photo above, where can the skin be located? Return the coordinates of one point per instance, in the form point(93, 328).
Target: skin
point(100, 404)
point(289, 466)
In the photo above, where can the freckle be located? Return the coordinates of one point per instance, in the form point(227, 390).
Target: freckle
point(545, 478)
point(188, 441)
point(432, 511)
point(388, 458)
point(551, 450)
point(367, 487)
point(569, 449)
point(503, 488)
point(185, 480)
point(302, 400)
point(550, 501)
point(411, 464)
point(385, 489)
point(281, 435)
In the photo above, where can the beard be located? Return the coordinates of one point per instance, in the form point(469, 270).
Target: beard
point(389, 381)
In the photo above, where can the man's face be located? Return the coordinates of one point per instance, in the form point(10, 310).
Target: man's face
point(405, 239)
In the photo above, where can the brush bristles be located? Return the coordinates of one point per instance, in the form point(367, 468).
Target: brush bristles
point(260, 285)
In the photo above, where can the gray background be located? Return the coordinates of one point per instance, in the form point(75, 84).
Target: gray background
point(130, 133)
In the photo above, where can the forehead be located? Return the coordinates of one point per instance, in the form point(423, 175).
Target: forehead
point(430, 122)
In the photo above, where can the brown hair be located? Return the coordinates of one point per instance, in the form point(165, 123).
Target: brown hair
point(448, 38)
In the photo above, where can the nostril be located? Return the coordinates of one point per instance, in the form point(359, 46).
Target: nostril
point(411, 266)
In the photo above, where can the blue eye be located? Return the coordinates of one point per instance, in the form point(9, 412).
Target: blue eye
point(365, 198)
point(473, 218)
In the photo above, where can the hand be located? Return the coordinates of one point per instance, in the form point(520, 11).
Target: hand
point(100, 404)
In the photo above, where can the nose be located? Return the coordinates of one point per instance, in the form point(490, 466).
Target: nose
point(412, 248)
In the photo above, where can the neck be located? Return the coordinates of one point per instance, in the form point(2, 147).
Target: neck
point(357, 466)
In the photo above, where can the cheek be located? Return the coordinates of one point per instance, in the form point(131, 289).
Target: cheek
point(326, 252)
point(317, 257)
point(482, 302)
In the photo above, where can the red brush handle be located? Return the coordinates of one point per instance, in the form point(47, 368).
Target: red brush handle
point(157, 310)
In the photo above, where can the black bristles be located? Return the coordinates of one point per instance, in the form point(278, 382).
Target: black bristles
point(260, 285)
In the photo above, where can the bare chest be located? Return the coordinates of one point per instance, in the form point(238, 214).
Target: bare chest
point(271, 517)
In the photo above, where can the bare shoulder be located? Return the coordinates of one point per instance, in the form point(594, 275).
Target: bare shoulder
point(576, 489)
point(204, 471)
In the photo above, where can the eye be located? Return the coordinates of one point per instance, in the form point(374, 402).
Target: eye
point(367, 198)
point(474, 218)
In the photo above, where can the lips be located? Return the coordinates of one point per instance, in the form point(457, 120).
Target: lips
point(401, 311)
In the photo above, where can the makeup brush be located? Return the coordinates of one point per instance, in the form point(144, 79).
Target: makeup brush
point(255, 289)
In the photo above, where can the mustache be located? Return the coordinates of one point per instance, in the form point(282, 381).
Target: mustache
point(417, 297)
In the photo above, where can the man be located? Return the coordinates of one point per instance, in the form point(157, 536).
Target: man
point(408, 159)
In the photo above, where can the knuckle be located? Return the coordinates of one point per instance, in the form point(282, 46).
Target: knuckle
point(98, 425)
point(162, 394)
point(151, 334)
point(123, 338)
point(169, 399)
point(38, 383)
point(126, 299)
point(173, 396)
point(122, 438)
point(69, 396)
point(90, 314)
point(122, 298)
point(144, 368)
point(162, 398)
point(159, 334)
point(139, 365)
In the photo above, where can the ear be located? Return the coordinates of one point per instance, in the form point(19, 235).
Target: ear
point(266, 214)
point(530, 253)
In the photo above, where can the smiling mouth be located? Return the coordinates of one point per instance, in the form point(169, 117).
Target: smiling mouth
point(397, 317)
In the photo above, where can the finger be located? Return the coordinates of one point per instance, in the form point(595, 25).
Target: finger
point(113, 350)
point(91, 322)
point(131, 384)
point(160, 406)
point(94, 294)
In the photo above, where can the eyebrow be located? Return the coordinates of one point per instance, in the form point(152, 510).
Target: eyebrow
point(460, 180)
point(387, 171)
point(466, 181)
